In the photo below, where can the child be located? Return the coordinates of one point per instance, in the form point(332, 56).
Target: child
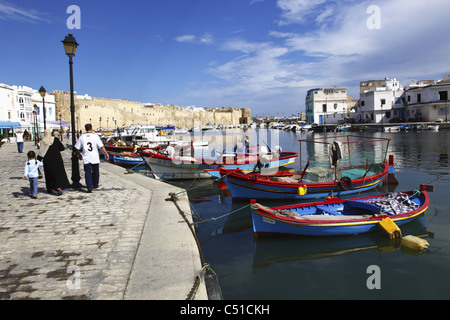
point(32, 173)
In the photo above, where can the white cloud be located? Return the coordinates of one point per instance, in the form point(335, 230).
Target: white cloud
point(12, 12)
point(296, 11)
point(207, 38)
point(412, 34)
point(259, 66)
point(336, 48)
point(186, 38)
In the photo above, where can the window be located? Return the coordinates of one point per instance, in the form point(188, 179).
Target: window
point(335, 106)
point(324, 107)
point(443, 96)
point(383, 102)
point(419, 98)
point(363, 103)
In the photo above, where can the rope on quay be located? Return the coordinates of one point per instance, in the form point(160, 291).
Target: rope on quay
point(213, 281)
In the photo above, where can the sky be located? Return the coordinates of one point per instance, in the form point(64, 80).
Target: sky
point(259, 54)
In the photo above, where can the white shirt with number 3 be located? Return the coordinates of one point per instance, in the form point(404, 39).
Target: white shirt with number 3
point(89, 143)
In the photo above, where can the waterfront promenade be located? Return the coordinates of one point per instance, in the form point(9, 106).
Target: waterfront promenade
point(122, 241)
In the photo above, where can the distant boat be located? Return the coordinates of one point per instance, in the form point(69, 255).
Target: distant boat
point(343, 128)
point(423, 126)
point(171, 164)
point(336, 216)
point(391, 128)
point(406, 127)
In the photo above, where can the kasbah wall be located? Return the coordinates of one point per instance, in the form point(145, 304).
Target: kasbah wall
point(108, 113)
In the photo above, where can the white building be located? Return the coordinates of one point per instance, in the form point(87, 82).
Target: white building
point(326, 105)
point(428, 100)
point(7, 98)
point(18, 103)
point(381, 103)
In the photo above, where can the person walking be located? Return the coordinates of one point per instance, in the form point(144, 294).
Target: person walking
point(55, 173)
point(19, 141)
point(31, 172)
point(87, 148)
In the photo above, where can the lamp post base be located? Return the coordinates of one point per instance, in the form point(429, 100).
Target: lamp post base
point(75, 172)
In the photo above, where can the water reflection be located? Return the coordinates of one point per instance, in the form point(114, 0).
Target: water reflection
point(332, 268)
point(271, 251)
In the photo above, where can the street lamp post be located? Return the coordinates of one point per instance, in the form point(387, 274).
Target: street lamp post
point(35, 125)
point(42, 93)
point(60, 127)
point(70, 47)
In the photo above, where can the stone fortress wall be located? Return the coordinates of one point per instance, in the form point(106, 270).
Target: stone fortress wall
point(108, 113)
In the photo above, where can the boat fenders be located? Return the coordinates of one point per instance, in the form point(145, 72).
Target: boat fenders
point(302, 190)
point(415, 243)
point(390, 228)
point(391, 173)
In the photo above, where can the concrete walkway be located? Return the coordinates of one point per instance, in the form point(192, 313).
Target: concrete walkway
point(122, 241)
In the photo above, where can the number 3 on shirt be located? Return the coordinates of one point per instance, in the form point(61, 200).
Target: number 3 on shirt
point(90, 146)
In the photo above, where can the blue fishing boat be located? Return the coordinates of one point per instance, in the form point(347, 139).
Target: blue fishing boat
point(127, 159)
point(290, 185)
point(356, 173)
point(336, 216)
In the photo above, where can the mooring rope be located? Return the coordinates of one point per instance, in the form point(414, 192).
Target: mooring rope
point(205, 266)
point(224, 215)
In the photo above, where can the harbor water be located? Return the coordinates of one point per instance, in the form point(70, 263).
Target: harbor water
point(367, 266)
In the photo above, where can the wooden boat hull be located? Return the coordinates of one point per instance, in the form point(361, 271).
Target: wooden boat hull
point(127, 160)
point(166, 168)
point(266, 222)
point(246, 186)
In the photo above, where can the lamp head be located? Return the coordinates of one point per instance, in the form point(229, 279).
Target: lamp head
point(42, 91)
point(70, 45)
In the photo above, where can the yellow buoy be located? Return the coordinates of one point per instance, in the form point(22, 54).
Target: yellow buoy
point(415, 243)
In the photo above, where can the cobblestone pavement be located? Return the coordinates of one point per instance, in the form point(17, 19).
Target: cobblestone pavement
point(75, 246)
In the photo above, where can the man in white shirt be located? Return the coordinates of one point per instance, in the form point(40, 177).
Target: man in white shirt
point(88, 144)
point(19, 141)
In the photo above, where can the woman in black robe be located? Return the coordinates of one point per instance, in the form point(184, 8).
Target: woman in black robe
point(55, 173)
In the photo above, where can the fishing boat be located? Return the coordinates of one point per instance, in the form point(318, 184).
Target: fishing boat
point(359, 169)
point(422, 126)
point(172, 164)
point(336, 216)
point(126, 159)
point(406, 127)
